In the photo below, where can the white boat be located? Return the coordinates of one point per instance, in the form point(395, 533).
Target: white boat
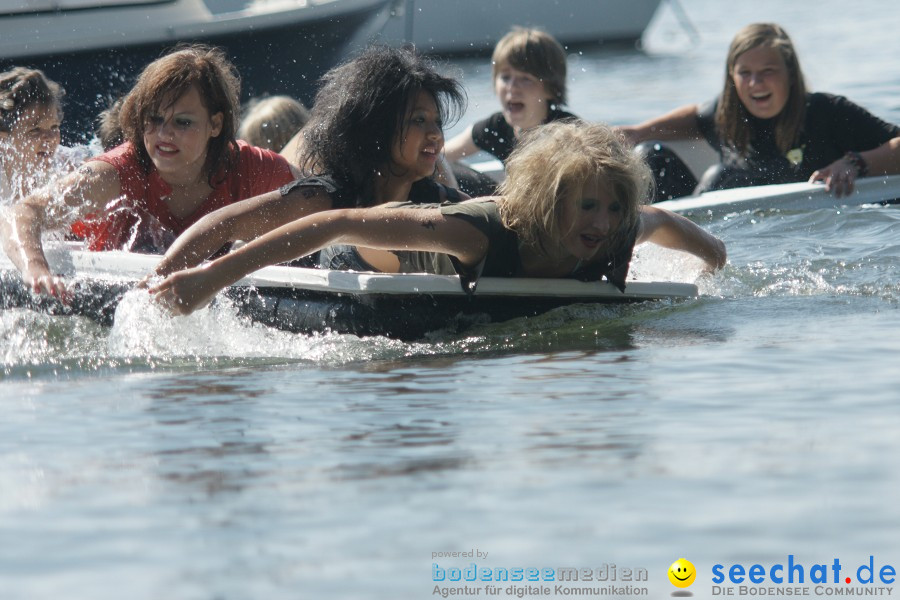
point(474, 26)
point(296, 299)
point(95, 48)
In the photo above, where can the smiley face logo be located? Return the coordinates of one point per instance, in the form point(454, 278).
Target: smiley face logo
point(682, 573)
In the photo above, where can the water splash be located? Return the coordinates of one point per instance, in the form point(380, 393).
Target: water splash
point(144, 329)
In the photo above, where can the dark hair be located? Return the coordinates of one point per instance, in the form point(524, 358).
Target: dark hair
point(167, 79)
point(537, 53)
point(20, 89)
point(731, 115)
point(359, 112)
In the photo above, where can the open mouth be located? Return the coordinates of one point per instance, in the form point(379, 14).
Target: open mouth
point(166, 150)
point(761, 97)
point(591, 241)
point(515, 107)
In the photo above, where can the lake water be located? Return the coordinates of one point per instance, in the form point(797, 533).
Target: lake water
point(206, 459)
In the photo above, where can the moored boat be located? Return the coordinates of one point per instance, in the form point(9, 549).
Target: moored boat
point(95, 48)
point(474, 26)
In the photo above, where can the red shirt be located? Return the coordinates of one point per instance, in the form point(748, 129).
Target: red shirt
point(140, 219)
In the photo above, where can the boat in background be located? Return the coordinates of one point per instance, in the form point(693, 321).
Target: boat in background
point(474, 26)
point(96, 48)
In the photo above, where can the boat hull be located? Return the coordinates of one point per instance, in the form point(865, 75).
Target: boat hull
point(475, 26)
point(273, 56)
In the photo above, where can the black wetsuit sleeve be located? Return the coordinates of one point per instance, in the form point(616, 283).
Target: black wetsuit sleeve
point(428, 191)
point(327, 184)
point(562, 115)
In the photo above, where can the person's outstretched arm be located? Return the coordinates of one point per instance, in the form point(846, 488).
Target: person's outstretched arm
point(840, 176)
point(245, 220)
point(460, 146)
point(86, 191)
point(443, 173)
point(380, 228)
point(291, 151)
point(679, 124)
point(671, 230)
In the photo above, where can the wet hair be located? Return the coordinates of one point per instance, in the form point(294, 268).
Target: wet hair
point(167, 79)
point(270, 122)
point(360, 111)
point(22, 88)
point(551, 165)
point(537, 53)
point(108, 131)
point(732, 115)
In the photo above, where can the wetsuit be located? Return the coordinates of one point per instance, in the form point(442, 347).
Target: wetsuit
point(502, 258)
point(832, 126)
point(496, 136)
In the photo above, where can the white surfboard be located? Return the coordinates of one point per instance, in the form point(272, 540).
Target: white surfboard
point(787, 197)
point(300, 299)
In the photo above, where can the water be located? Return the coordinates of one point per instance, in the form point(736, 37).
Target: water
point(208, 459)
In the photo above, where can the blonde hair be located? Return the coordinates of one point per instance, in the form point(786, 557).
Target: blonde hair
point(537, 53)
point(731, 115)
point(551, 165)
point(271, 122)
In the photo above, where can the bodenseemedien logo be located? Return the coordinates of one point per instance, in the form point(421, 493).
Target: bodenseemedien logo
point(525, 582)
point(682, 574)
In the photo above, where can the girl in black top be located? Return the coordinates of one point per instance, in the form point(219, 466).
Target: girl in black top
point(768, 129)
point(570, 207)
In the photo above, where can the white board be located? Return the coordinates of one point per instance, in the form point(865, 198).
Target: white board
point(787, 196)
point(69, 260)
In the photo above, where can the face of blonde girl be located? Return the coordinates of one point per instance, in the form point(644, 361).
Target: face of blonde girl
point(177, 137)
point(588, 224)
point(762, 81)
point(524, 99)
point(34, 138)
